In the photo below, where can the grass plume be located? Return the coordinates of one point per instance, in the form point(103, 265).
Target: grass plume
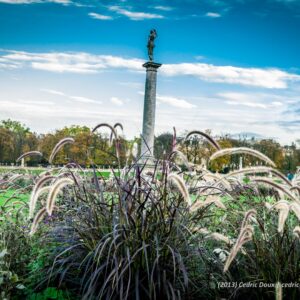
point(37, 219)
point(33, 197)
point(283, 207)
point(30, 153)
point(54, 190)
point(245, 236)
point(278, 291)
point(215, 236)
point(211, 199)
point(210, 140)
point(255, 170)
point(251, 213)
point(182, 157)
point(180, 184)
point(296, 232)
point(242, 150)
point(58, 146)
point(277, 187)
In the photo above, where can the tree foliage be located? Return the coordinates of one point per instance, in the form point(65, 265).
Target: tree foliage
point(16, 139)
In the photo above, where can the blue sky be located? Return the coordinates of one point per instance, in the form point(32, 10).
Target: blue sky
point(229, 66)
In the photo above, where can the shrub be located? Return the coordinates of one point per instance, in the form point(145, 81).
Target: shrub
point(133, 237)
point(14, 254)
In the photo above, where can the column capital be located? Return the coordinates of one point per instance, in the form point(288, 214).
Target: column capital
point(150, 65)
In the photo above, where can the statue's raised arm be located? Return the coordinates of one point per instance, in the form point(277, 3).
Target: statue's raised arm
point(151, 44)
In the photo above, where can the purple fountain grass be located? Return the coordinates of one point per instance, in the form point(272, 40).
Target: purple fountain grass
point(182, 157)
point(30, 153)
point(33, 197)
point(54, 190)
point(253, 170)
point(114, 132)
point(59, 145)
point(174, 139)
point(211, 199)
point(242, 150)
point(180, 184)
point(283, 207)
point(33, 201)
point(249, 215)
point(210, 140)
point(278, 187)
point(296, 232)
point(245, 236)
point(278, 291)
point(37, 219)
point(215, 236)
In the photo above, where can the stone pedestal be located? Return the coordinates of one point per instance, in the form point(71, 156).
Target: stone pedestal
point(149, 110)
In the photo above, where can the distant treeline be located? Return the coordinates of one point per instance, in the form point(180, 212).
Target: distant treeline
point(16, 139)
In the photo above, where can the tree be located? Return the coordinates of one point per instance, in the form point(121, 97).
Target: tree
point(163, 145)
point(95, 148)
point(221, 164)
point(273, 150)
point(19, 134)
point(6, 144)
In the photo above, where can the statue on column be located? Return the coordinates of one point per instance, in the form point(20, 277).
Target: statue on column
point(151, 45)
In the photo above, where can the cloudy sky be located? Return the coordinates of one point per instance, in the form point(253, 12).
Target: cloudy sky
point(230, 66)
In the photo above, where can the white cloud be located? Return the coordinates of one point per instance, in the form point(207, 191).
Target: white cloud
point(75, 98)
point(100, 17)
point(175, 102)
point(83, 99)
point(63, 2)
point(78, 62)
point(248, 104)
point(86, 63)
point(265, 78)
point(36, 102)
point(116, 101)
point(163, 8)
point(39, 115)
point(212, 15)
point(5, 66)
point(135, 16)
point(70, 68)
point(276, 103)
point(254, 100)
point(53, 92)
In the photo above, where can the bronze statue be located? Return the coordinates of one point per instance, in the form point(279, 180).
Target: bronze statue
point(150, 44)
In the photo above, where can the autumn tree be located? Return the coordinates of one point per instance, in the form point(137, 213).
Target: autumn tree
point(6, 145)
point(97, 148)
point(163, 145)
point(18, 133)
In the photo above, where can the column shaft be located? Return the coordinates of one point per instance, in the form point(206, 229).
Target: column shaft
point(149, 109)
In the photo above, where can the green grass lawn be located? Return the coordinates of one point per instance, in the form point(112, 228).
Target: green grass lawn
point(37, 171)
point(4, 195)
point(18, 197)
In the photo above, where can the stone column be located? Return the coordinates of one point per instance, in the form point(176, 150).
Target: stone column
point(241, 163)
point(240, 168)
point(149, 110)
